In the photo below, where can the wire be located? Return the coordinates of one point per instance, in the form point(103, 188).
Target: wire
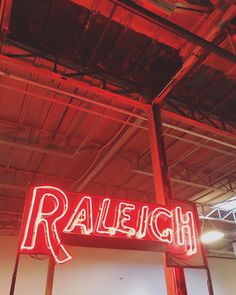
point(106, 145)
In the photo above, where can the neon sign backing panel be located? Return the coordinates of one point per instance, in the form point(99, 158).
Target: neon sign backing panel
point(53, 218)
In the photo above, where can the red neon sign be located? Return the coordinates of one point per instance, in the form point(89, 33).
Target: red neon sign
point(53, 218)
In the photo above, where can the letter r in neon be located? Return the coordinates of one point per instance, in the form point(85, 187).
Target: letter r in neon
point(48, 205)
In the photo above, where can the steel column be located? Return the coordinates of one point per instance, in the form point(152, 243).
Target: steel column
point(175, 280)
point(204, 256)
point(14, 276)
point(50, 276)
point(13, 281)
point(5, 14)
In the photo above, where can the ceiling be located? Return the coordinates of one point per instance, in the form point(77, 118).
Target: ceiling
point(77, 81)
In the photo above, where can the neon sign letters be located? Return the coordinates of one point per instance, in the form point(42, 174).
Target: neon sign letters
point(53, 219)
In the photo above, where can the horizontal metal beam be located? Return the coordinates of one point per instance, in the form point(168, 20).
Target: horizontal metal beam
point(74, 84)
point(186, 182)
point(172, 27)
point(210, 30)
point(168, 114)
point(119, 98)
point(199, 125)
point(13, 187)
point(11, 198)
point(200, 145)
point(66, 104)
point(32, 174)
point(173, 116)
point(35, 148)
point(22, 127)
point(122, 188)
point(203, 186)
point(164, 112)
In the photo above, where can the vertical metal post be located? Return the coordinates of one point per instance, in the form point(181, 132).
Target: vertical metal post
point(13, 280)
point(5, 14)
point(205, 261)
point(50, 276)
point(175, 280)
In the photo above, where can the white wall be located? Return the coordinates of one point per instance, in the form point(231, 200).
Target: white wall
point(105, 272)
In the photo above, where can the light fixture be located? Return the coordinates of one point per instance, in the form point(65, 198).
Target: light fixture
point(211, 236)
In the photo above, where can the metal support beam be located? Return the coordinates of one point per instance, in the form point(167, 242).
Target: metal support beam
point(171, 27)
point(22, 127)
point(5, 14)
point(211, 30)
point(217, 214)
point(199, 125)
point(109, 95)
point(168, 114)
point(175, 280)
point(187, 182)
point(174, 276)
point(72, 83)
point(32, 175)
point(13, 281)
point(50, 276)
point(35, 148)
point(78, 97)
point(68, 104)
